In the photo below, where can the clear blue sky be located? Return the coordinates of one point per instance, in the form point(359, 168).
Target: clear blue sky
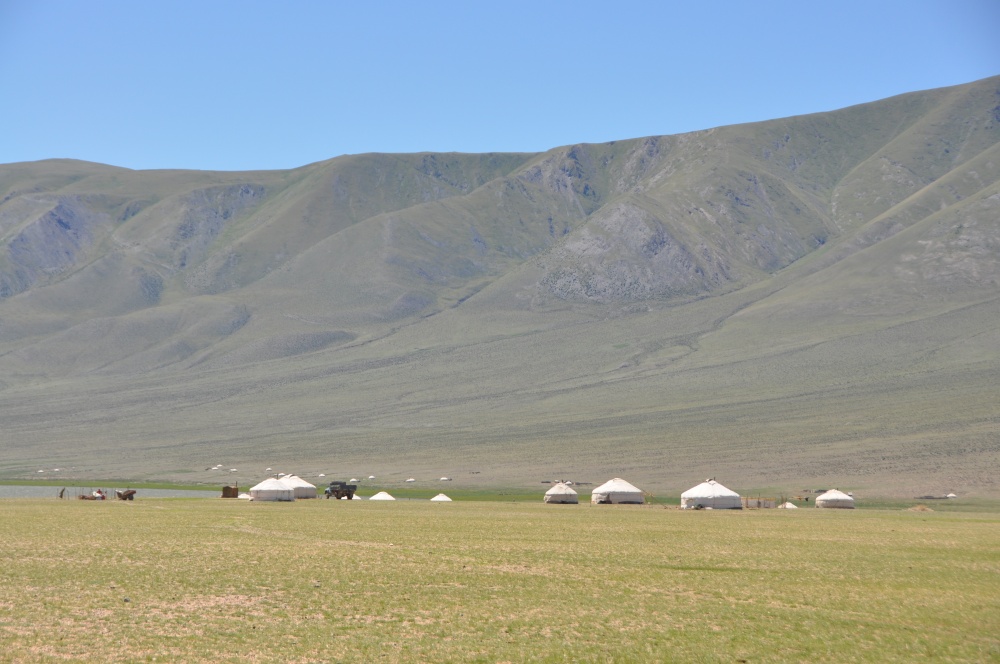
point(229, 85)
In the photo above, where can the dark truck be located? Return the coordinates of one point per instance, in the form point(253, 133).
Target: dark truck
point(340, 490)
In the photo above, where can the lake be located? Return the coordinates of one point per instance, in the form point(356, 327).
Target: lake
point(18, 491)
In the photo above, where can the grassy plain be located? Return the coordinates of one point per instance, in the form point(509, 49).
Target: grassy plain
point(212, 580)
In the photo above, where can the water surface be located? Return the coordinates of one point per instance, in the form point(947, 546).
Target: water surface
point(19, 491)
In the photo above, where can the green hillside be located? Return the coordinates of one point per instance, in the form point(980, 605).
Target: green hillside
point(802, 302)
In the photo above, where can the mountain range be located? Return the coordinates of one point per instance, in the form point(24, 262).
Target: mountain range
point(803, 301)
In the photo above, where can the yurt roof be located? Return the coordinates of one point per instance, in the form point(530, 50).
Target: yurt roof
point(617, 485)
point(381, 495)
point(560, 488)
point(271, 484)
point(834, 494)
point(296, 481)
point(441, 498)
point(709, 489)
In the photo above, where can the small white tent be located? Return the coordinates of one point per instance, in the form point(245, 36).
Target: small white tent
point(561, 494)
point(951, 495)
point(301, 488)
point(440, 498)
point(836, 499)
point(711, 494)
point(787, 506)
point(381, 495)
point(272, 489)
point(617, 492)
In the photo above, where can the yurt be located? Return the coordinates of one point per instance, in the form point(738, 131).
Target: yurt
point(381, 495)
point(561, 494)
point(787, 506)
point(301, 488)
point(711, 494)
point(617, 492)
point(951, 495)
point(440, 498)
point(836, 499)
point(272, 489)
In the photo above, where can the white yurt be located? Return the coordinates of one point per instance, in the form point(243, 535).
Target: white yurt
point(836, 499)
point(617, 492)
point(440, 498)
point(951, 495)
point(561, 494)
point(272, 489)
point(381, 495)
point(301, 488)
point(711, 494)
point(787, 506)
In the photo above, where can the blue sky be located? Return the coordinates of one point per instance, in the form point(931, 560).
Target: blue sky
point(267, 85)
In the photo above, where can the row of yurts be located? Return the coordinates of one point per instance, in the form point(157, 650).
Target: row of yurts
point(707, 495)
point(293, 487)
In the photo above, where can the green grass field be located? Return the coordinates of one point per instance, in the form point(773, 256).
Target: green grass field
point(318, 581)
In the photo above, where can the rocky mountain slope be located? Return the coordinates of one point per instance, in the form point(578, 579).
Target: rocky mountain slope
point(653, 303)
